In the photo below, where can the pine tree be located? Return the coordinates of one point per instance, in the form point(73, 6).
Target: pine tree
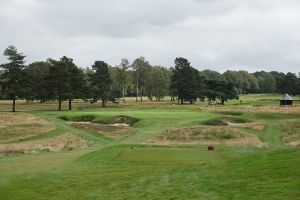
point(101, 82)
point(77, 85)
point(185, 80)
point(58, 81)
point(13, 77)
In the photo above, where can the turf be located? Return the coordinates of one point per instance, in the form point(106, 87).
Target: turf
point(120, 172)
point(127, 168)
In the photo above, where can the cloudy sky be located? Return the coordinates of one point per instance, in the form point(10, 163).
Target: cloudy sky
point(215, 34)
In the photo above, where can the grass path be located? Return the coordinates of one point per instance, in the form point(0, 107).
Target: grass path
point(272, 136)
point(63, 127)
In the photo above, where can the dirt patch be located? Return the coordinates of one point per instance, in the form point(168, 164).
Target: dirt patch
point(19, 126)
point(108, 130)
point(62, 142)
point(291, 132)
point(225, 121)
point(207, 135)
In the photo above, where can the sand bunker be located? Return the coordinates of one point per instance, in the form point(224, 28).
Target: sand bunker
point(116, 120)
point(107, 130)
point(113, 127)
point(123, 120)
point(236, 122)
point(225, 121)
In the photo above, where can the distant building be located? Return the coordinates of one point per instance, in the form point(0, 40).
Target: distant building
point(286, 100)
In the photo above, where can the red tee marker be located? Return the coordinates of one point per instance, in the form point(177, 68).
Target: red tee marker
point(210, 148)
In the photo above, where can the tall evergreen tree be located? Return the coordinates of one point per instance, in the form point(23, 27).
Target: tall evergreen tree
point(36, 74)
point(184, 80)
point(76, 81)
point(221, 90)
point(101, 81)
point(13, 77)
point(58, 81)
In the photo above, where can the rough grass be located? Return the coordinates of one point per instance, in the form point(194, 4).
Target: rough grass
point(256, 126)
point(62, 142)
point(254, 109)
point(19, 126)
point(291, 132)
point(207, 135)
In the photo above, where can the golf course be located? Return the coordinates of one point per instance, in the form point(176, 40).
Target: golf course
point(151, 150)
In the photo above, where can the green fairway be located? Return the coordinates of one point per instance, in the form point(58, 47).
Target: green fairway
point(161, 172)
point(129, 167)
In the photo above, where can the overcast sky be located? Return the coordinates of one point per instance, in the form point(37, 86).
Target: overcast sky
point(215, 34)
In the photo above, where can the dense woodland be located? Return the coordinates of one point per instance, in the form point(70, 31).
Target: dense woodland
point(62, 80)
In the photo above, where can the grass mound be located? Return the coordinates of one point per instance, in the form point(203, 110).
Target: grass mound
point(82, 118)
point(276, 116)
point(291, 132)
point(206, 135)
point(112, 127)
point(15, 127)
point(225, 121)
point(63, 142)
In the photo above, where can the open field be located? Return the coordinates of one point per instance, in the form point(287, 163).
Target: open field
point(153, 150)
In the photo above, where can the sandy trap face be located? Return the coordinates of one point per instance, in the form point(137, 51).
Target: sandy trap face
point(236, 122)
point(62, 142)
point(207, 135)
point(114, 127)
point(19, 126)
point(107, 130)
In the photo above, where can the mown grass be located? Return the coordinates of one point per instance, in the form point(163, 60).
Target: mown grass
point(137, 172)
point(125, 168)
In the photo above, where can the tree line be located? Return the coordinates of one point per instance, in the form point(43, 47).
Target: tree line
point(62, 80)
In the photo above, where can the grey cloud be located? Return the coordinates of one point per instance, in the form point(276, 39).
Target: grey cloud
point(221, 35)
